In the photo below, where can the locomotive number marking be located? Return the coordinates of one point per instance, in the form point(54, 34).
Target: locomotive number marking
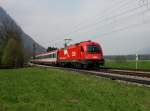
point(74, 53)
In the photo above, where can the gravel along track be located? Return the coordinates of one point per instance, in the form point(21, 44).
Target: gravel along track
point(127, 72)
point(123, 75)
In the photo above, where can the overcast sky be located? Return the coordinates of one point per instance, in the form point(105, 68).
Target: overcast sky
point(120, 26)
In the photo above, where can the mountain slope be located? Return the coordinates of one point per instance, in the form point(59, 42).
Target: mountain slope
point(8, 24)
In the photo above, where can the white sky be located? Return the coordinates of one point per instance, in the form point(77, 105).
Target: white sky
point(50, 21)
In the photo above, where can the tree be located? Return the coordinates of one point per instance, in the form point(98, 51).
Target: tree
point(13, 55)
point(1, 52)
point(27, 56)
point(51, 49)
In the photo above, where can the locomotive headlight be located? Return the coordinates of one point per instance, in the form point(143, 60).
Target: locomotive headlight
point(86, 56)
point(95, 57)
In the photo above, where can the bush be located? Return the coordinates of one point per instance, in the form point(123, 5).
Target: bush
point(12, 54)
point(0, 55)
point(120, 59)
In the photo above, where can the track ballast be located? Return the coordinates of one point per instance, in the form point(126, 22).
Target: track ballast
point(140, 77)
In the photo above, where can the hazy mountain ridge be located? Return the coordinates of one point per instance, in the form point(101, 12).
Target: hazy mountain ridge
point(145, 50)
point(7, 23)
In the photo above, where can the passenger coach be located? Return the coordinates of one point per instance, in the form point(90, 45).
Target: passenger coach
point(49, 58)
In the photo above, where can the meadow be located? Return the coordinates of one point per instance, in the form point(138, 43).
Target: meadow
point(42, 89)
point(129, 64)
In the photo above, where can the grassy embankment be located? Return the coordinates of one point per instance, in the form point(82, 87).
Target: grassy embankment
point(34, 89)
point(145, 65)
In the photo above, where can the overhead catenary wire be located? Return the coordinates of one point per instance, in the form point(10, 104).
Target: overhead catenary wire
point(104, 18)
point(112, 22)
point(124, 13)
point(108, 18)
point(109, 10)
point(124, 28)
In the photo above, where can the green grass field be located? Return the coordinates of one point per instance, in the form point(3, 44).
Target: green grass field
point(145, 65)
point(35, 89)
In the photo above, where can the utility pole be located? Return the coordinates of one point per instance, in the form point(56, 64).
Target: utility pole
point(148, 5)
point(34, 50)
point(137, 58)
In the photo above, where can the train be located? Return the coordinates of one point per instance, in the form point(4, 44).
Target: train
point(86, 54)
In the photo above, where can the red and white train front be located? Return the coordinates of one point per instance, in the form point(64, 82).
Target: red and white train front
point(83, 54)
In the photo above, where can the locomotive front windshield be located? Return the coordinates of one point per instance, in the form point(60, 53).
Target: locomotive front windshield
point(93, 49)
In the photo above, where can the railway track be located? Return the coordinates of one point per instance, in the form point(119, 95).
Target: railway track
point(142, 74)
point(140, 77)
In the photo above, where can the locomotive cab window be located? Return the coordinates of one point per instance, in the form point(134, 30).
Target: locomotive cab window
point(93, 48)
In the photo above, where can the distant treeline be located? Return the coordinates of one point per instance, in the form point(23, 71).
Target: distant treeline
point(128, 57)
point(51, 49)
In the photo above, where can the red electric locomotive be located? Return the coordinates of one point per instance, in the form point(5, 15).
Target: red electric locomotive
point(84, 54)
